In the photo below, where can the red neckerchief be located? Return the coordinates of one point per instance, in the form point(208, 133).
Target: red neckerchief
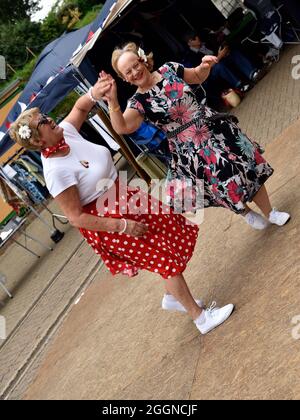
point(60, 146)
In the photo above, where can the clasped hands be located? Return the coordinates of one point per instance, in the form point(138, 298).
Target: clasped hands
point(105, 87)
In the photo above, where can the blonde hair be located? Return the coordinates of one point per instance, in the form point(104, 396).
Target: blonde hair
point(25, 119)
point(129, 47)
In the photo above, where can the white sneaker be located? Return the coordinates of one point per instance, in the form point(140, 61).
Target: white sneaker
point(212, 317)
point(256, 221)
point(169, 303)
point(279, 218)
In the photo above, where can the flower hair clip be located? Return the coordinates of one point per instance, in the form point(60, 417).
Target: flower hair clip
point(24, 132)
point(142, 55)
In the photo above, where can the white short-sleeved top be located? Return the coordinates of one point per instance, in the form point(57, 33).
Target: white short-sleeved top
point(63, 172)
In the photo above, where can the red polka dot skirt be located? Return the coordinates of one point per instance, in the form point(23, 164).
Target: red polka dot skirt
point(165, 249)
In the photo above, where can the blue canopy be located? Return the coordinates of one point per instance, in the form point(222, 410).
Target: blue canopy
point(54, 76)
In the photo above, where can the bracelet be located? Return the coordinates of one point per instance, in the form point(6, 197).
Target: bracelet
point(111, 109)
point(91, 95)
point(125, 227)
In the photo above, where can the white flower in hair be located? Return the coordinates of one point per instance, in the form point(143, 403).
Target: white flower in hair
point(24, 132)
point(142, 55)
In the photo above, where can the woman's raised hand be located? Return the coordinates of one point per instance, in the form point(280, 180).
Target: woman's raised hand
point(208, 61)
point(102, 86)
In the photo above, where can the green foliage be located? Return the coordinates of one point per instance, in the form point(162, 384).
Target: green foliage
point(51, 26)
point(15, 37)
point(89, 17)
point(22, 74)
point(65, 106)
point(86, 5)
point(16, 10)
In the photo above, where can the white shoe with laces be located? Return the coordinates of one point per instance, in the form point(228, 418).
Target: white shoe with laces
point(279, 218)
point(169, 303)
point(213, 317)
point(256, 221)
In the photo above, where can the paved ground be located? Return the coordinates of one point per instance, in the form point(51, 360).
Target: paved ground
point(117, 343)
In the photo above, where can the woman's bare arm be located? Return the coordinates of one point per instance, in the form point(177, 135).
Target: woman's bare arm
point(199, 74)
point(70, 204)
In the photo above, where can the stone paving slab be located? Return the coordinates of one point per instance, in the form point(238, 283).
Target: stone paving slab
point(36, 326)
point(273, 104)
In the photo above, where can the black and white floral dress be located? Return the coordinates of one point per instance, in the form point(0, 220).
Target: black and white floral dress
point(224, 165)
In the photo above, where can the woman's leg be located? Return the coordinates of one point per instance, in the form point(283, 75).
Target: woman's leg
point(261, 199)
point(205, 320)
point(177, 287)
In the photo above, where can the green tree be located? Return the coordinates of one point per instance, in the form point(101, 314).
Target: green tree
point(86, 5)
point(13, 11)
point(51, 27)
point(14, 38)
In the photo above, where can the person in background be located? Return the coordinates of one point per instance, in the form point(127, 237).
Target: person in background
point(231, 63)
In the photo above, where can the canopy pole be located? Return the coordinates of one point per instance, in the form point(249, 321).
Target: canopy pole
point(125, 149)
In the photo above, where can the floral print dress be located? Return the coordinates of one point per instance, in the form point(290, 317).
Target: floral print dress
point(223, 164)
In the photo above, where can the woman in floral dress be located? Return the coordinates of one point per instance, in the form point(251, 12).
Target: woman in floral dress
point(205, 146)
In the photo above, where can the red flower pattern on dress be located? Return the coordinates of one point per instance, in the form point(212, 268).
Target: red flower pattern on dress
point(181, 113)
point(208, 155)
point(235, 192)
point(174, 90)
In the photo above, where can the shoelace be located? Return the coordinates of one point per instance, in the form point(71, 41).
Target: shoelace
point(211, 307)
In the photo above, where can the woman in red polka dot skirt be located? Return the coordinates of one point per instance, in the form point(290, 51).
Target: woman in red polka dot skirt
point(127, 233)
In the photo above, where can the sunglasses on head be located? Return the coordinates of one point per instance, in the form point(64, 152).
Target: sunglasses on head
point(44, 119)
